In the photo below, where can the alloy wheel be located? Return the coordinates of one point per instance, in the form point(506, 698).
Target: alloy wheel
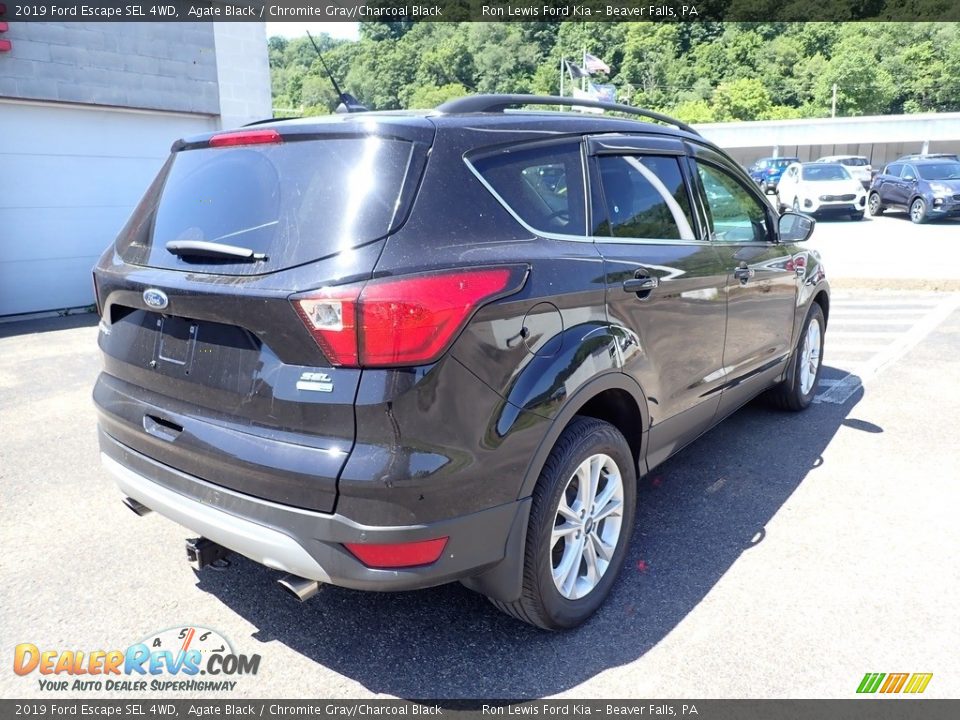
point(917, 210)
point(810, 357)
point(587, 526)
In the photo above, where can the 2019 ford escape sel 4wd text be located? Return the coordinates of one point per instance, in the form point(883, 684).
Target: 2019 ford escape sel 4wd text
point(392, 350)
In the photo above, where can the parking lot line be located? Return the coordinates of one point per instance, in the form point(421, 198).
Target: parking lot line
point(841, 348)
point(859, 373)
point(858, 321)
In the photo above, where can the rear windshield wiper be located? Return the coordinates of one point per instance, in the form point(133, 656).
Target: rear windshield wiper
point(202, 248)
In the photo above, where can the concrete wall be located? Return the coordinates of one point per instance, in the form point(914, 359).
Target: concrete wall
point(243, 73)
point(880, 138)
point(161, 66)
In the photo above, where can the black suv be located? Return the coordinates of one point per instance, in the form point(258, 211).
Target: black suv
point(392, 350)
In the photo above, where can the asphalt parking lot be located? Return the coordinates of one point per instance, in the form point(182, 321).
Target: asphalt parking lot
point(778, 556)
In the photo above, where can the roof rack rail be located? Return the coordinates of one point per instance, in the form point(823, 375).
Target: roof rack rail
point(499, 103)
point(270, 120)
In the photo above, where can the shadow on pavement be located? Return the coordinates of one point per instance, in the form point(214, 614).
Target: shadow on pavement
point(12, 328)
point(697, 513)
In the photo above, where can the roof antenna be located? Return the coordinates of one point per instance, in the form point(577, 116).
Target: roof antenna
point(348, 103)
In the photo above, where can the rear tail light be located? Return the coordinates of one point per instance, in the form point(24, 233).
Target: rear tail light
point(398, 555)
point(400, 321)
point(246, 137)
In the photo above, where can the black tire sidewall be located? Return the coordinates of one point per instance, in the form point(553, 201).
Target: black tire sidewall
point(813, 315)
point(562, 612)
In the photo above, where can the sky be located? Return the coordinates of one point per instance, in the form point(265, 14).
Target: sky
point(347, 30)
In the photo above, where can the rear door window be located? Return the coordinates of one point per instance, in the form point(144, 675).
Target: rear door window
point(895, 169)
point(542, 186)
point(644, 197)
point(294, 202)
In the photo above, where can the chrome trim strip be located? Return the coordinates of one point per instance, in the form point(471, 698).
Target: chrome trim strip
point(259, 543)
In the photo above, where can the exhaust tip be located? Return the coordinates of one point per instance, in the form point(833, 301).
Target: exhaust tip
point(139, 508)
point(300, 588)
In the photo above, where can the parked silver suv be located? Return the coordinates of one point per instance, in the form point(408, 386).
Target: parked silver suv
point(858, 165)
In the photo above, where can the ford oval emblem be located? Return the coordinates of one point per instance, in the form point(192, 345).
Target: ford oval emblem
point(157, 299)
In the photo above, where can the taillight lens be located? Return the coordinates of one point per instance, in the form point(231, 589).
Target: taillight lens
point(400, 321)
point(246, 137)
point(398, 555)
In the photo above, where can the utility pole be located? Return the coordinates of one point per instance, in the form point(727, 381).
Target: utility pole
point(562, 69)
point(833, 105)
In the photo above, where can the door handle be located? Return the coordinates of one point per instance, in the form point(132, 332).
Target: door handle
point(744, 273)
point(642, 283)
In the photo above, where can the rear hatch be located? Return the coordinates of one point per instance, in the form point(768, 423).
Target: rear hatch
point(208, 368)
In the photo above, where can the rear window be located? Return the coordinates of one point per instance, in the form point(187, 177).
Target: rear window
point(542, 186)
point(293, 202)
point(854, 161)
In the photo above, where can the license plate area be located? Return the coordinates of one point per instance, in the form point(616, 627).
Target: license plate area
point(177, 341)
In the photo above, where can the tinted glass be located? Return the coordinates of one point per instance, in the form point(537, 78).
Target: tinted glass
point(645, 197)
point(542, 185)
point(735, 214)
point(854, 162)
point(895, 169)
point(940, 171)
point(294, 202)
point(824, 172)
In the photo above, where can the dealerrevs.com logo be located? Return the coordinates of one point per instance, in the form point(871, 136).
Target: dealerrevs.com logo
point(183, 658)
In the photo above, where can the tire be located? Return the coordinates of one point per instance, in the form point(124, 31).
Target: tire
point(856, 216)
point(874, 205)
point(558, 604)
point(796, 393)
point(918, 211)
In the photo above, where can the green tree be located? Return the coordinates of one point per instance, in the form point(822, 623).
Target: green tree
point(743, 99)
point(863, 86)
point(430, 96)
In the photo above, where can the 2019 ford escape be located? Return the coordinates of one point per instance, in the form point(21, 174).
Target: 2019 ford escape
point(392, 350)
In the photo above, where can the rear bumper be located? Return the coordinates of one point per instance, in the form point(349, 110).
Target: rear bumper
point(305, 542)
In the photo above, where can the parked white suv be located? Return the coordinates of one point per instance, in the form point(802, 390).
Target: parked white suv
point(858, 166)
point(821, 188)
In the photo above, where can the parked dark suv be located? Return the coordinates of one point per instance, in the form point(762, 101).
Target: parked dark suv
point(926, 189)
point(392, 350)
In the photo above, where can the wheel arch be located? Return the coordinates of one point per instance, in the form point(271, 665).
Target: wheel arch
point(822, 298)
point(609, 397)
point(614, 397)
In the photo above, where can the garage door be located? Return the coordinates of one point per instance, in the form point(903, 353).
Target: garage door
point(69, 178)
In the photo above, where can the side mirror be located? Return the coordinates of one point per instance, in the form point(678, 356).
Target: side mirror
point(794, 227)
